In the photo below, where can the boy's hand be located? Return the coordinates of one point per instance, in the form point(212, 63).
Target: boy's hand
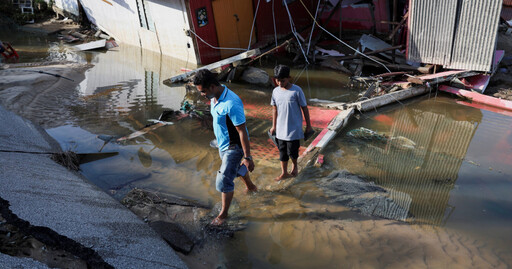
point(249, 164)
point(272, 131)
point(309, 128)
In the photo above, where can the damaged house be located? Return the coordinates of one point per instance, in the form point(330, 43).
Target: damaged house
point(206, 31)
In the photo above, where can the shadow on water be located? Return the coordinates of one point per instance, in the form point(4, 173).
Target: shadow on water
point(441, 168)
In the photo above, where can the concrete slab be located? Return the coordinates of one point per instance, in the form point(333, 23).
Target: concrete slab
point(46, 194)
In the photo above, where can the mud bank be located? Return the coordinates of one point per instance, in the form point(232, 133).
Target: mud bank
point(37, 90)
point(59, 209)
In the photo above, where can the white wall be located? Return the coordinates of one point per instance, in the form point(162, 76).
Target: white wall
point(171, 21)
point(70, 6)
point(121, 21)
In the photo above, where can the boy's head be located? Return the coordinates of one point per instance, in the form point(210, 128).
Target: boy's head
point(282, 75)
point(205, 82)
point(281, 71)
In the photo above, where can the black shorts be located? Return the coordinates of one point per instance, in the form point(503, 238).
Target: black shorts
point(288, 149)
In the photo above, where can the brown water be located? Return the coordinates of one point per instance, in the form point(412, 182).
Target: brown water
point(430, 189)
point(37, 47)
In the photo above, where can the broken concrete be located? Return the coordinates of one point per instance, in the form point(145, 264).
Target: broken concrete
point(45, 194)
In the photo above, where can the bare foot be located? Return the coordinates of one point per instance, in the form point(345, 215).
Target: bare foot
point(218, 221)
point(294, 172)
point(251, 189)
point(282, 176)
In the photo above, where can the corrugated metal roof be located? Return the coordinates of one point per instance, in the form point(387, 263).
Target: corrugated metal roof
point(456, 34)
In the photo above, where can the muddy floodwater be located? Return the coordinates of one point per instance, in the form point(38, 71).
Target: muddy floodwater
point(423, 183)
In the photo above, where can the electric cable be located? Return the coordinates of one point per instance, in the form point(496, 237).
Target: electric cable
point(313, 27)
point(355, 50)
point(274, 20)
point(253, 22)
point(294, 31)
point(213, 47)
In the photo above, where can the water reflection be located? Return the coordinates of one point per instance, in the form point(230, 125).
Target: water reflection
point(419, 177)
point(130, 76)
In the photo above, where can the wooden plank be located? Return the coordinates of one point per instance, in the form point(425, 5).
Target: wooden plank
point(91, 45)
point(442, 76)
point(389, 98)
point(239, 57)
point(325, 136)
point(399, 67)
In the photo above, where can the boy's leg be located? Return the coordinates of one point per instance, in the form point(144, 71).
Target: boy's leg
point(224, 181)
point(283, 157)
point(226, 202)
point(293, 147)
point(249, 185)
point(294, 171)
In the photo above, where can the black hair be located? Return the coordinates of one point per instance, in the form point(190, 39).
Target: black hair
point(205, 78)
point(282, 71)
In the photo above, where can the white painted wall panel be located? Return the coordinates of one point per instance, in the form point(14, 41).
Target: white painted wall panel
point(120, 19)
point(171, 21)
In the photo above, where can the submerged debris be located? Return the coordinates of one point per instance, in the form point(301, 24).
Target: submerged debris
point(370, 135)
point(366, 197)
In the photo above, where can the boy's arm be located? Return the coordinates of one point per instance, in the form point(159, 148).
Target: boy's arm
point(305, 110)
point(274, 120)
point(246, 146)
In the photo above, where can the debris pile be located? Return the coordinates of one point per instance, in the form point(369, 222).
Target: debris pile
point(92, 38)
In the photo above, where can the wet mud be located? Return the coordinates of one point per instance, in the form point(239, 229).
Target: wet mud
point(185, 224)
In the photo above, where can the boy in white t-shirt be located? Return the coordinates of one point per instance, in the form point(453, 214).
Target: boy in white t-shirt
point(287, 102)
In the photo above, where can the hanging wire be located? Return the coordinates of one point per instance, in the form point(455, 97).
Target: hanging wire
point(292, 26)
point(307, 79)
point(274, 19)
point(300, 74)
point(356, 51)
point(253, 22)
point(313, 27)
point(213, 47)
